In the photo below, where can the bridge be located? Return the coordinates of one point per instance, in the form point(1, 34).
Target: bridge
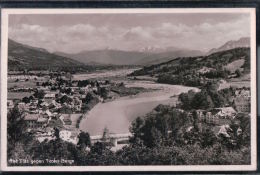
point(113, 138)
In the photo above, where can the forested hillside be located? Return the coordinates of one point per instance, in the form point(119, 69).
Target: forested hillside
point(196, 71)
point(22, 57)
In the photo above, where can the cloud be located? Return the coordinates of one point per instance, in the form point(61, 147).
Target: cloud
point(85, 36)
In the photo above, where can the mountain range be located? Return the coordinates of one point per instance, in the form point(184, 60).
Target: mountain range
point(119, 57)
point(24, 56)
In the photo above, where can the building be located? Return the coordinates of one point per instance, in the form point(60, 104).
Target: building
point(66, 119)
point(200, 115)
point(31, 120)
point(211, 119)
point(242, 104)
point(10, 104)
point(69, 136)
point(242, 101)
point(218, 116)
point(35, 121)
point(49, 96)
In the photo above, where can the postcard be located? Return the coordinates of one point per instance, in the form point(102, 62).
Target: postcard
point(128, 89)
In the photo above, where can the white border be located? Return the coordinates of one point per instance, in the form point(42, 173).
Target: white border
point(4, 36)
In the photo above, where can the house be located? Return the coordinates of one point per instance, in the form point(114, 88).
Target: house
point(44, 104)
point(66, 119)
point(22, 106)
point(211, 119)
point(69, 136)
point(49, 96)
point(225, 112)
point(65, 135)
point(221, 130)
point(200, 115)
point(34, 121)
point(10, 104)
point(220, 116)
point(242, 92)
point(31, 120)
point(242, 101)
point(42, 121)
point(48, 113)
point(242, 104)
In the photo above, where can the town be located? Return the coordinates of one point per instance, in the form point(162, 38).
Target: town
point(57, 101)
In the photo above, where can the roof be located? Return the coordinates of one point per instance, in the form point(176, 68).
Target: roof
point(221, 129)
point(42, 120)
point(66, 117)
point(31, 117)
point(49, 95)
point(224, 111)
point(48, 113)
point(227, 109)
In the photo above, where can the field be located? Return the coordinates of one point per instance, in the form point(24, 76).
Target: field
point(17, 95)
point(28, 84)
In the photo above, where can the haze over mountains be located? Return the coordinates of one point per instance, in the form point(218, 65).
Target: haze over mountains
point(147, 55)
point(114, 57)
point(21, 55)
point(119, 57)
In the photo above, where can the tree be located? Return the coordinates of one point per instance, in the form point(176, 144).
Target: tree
point(65, 110)
point(155, 138)
point(16, 131)
point(100, 154)
point(186, 99)
point(39, 94)
point(68, 91)
point(202, 100)
point(15, 125)
point(103, 92)
point(98, 148)
point(238, 73)
point(208, 138)
point(218, 99)
point(211, 86)
point(65, 99)
point(57, 133)
point(88, 98)
point(26, 100)
point(84, 140)
point(233, 139)
point(136, 131)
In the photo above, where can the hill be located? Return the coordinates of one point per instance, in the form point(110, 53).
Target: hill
point(165, 56)
point(242, 42)
point(197, 71)
point(21, 56)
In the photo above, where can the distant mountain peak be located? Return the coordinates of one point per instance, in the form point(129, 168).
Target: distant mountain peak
point(241, 42)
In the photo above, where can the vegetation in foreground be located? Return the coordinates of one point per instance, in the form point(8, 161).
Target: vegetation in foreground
point(159, 138)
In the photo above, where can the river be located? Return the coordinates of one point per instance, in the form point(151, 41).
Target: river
point(117, 115)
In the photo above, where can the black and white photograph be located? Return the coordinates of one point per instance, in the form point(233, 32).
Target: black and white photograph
point(128, 89)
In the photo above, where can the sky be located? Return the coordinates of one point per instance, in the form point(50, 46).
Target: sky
point(73, 33)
